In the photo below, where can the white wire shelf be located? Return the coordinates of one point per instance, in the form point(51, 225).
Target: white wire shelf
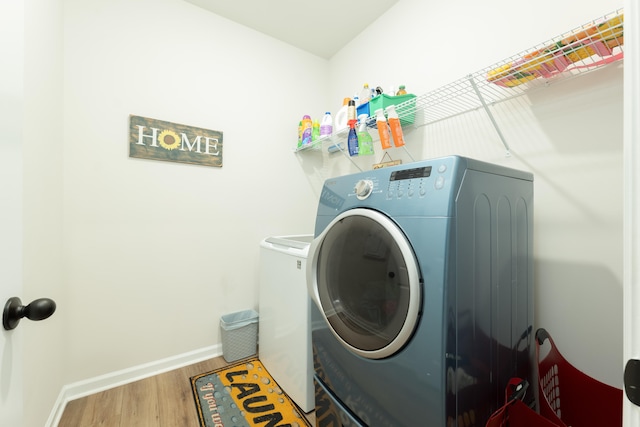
point(579, 51)
point(586, 48)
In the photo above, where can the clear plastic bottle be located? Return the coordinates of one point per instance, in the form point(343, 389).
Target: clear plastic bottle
point(365, 142)
point(401, 91)
point(383, 129)
point(326, 126)
point(395, 126)
point(306, 130)
point(365, 94)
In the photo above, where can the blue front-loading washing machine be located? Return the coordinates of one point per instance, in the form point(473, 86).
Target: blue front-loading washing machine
point(421, 277)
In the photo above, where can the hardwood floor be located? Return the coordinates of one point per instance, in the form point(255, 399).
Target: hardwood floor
point(164, 400)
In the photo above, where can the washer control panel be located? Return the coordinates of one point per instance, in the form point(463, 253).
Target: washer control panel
point(417, 182)
point(408, 183)
point(400, 175)
point(403, 184)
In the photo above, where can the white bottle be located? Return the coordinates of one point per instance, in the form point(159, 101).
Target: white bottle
point(341, 117)
point(326, 126)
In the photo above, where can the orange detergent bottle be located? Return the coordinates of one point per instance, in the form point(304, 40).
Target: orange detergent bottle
point(383, 129)
point(395, 126)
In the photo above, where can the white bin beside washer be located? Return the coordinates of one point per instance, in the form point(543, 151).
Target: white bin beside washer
point(284, 340)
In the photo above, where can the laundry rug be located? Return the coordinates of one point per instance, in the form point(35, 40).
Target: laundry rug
point(243, 395)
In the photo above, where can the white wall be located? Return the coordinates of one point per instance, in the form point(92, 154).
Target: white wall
point(569, 136)
point(155, 252)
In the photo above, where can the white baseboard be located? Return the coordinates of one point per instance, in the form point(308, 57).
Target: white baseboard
point(100, 383)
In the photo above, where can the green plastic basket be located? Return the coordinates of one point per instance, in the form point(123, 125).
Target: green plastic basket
point(406, 110)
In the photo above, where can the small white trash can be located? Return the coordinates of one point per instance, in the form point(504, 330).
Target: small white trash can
point(239, 335)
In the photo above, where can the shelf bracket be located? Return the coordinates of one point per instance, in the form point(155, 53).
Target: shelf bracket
point(345, 153)
point(408, 153)
point(488, 111)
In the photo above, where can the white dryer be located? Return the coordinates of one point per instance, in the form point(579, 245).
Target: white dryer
point(284, 343)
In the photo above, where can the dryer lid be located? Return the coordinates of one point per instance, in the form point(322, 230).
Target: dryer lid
point(363, 276)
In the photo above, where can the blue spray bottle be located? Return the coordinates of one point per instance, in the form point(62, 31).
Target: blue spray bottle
point(352, 140)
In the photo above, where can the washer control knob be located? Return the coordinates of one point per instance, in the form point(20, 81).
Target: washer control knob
point(364, 187)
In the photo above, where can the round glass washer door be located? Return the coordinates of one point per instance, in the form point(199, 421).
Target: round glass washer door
point(363, 276)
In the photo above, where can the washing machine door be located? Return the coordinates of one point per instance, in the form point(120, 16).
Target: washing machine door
point(363, 276)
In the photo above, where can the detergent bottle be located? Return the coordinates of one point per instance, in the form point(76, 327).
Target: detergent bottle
point(307, 126)
point(326, 126)
point(341, 116)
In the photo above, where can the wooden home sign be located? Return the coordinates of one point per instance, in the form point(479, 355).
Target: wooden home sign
point(172, 142)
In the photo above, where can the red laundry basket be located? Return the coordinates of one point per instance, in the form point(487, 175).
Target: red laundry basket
point(515, 413)
point(568, 397)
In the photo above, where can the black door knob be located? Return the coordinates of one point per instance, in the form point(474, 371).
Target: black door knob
point(39, 309)
point(632, 381)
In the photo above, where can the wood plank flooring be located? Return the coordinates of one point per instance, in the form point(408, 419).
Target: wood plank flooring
point(164, 400)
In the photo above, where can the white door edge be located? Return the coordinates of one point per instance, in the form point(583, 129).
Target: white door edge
point(631, 232)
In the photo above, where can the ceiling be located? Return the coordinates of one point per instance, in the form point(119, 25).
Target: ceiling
point(319, 27)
